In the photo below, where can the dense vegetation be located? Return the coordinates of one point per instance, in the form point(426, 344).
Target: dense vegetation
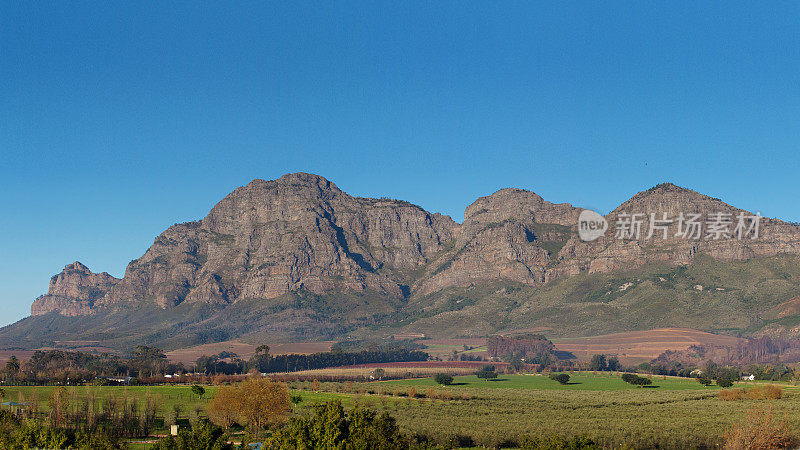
point(143, 363)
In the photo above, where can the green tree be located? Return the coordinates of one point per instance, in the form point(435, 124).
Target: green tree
point(629, 377)
point(727, 376)
point(331, 427)
point(562, 378)
point(443, 379)
point(198, 390)
point(598, 363)
point(614, 364)
point(487, 372)
point(262, 350)
point(636, 380)
point(205, 436)
point(12, 367)
point(704, 380)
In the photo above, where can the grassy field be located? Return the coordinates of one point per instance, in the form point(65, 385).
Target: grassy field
point(165, 396)
point(577, 382)
point(674, 413)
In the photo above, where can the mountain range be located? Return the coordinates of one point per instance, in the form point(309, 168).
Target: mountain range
point(298, 259)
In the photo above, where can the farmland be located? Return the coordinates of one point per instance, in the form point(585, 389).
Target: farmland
point(673, 413)
point(639, 346)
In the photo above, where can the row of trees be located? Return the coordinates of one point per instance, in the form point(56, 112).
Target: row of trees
point(74, 367)
point(263, 362)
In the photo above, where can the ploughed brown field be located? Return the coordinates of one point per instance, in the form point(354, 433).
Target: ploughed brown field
point(426, 364)
point(637, 346)
point(244, 350)
point(20, 354)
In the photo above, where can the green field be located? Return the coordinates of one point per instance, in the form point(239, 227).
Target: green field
point(675, 413)
point(577, 382)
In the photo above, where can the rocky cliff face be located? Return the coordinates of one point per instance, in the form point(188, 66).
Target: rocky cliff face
point(272, 237)
point(667, 244)
point(302, 233)
point(73, 291)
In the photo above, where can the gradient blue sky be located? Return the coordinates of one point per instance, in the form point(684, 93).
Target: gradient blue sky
point(117, 120)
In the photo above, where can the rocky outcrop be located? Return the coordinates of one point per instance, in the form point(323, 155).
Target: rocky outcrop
point(272, 237)
point(73, 291)
point(610, 253)
point(302, 233)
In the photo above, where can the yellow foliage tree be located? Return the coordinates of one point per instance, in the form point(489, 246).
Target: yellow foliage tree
point(255, 402)
point(223, 409)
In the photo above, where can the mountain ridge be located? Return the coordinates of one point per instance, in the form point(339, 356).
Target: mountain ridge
point(301, 236)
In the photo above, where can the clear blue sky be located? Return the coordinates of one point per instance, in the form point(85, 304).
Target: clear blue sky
point(118, 121)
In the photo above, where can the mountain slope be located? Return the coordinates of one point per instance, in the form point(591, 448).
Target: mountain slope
point(299, 259)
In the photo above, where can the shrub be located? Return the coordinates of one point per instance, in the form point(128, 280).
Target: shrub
point(636, 380)
point(760, 430)
point(730, 395)
point(724, 382)
point(205, 436)
point(557, 442)
point(756, 393)
point(486, 375)
point(704, 381)
point(332, 427)
point(765, 392)
point(443, 379)
point(198, 390)
point(628, 377)
point(562, 378)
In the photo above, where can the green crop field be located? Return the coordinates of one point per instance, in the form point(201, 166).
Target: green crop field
point(586, 382)
point(674, 413)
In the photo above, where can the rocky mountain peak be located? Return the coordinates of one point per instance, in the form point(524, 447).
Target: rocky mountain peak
point(74, 290)
point(300, 232)
point(672, 199)
point(519, 204)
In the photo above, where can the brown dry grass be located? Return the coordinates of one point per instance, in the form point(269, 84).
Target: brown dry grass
point(770, 391)
point(760, 430)
point(245, 351)
point(644, 345)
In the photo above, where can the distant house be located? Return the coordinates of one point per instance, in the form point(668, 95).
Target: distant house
point(748, 377)
point(120, 380)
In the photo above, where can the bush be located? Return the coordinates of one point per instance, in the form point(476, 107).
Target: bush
point(557, 442)
point(765, 392)
point(724, 382)
point(760, 430)
point(487, 372)
point(443, 379)
point(756, 393)
point(704, 381)
point(198, 390)
point(332, 427)
point(562, 378)
point(636, 380)
point(203, 436)
point(730, 395)
point(486, 375)
point(629, 377)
